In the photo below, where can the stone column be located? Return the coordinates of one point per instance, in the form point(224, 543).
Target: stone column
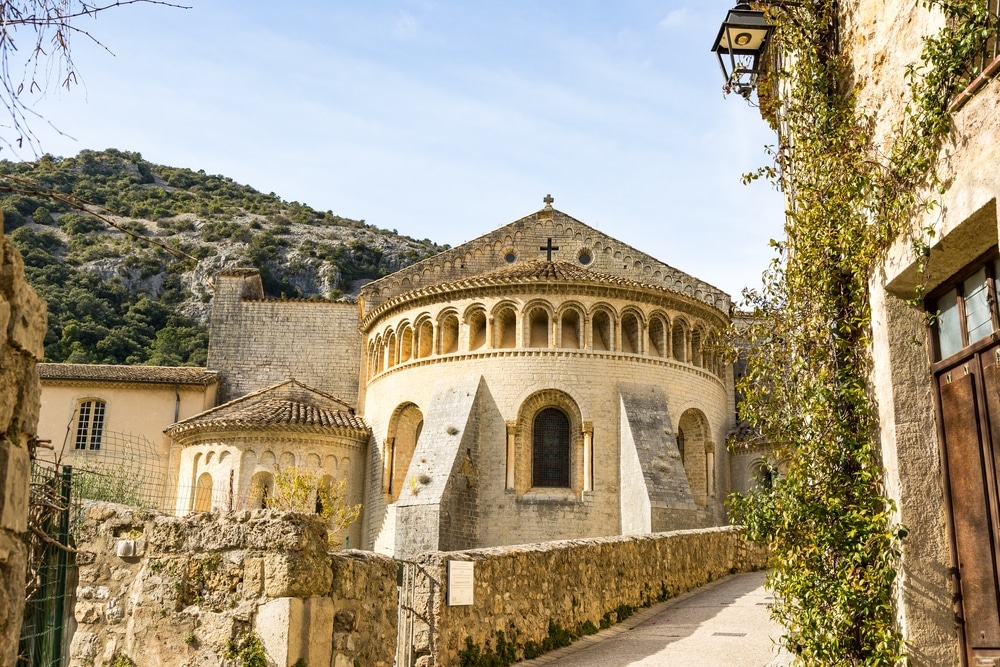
point(588, 456)
point(511, 444)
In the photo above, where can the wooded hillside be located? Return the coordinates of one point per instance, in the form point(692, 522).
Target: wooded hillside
point(116, 298)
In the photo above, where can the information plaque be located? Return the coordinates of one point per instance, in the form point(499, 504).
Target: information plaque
point(461, 581)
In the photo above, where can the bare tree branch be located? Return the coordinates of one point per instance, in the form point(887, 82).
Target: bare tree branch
point(22, 186)
point(50, 25)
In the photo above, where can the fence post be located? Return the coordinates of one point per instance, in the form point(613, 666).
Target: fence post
point(62, 558)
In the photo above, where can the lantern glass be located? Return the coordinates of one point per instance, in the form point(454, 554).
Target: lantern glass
point(741, 44)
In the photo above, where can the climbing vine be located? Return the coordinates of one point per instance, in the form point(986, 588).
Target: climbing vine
point(834, 543)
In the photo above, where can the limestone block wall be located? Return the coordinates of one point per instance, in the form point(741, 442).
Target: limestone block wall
point(591, 380)
point(22, 331)
point(168, 591)
point(255, 343)
point(235, 460)
point(521, 590)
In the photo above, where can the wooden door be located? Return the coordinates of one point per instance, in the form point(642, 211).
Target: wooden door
point(970, 410)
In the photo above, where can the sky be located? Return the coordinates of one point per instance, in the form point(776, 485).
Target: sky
point(442, 119)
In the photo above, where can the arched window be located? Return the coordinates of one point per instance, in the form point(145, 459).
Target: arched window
point(631, 333)
point(506, 325)
point(406, 344)
point(425, 339)
point(657, 337)
point(90, 424)
point(762, 474)
point(696, 339)
point(261, 489)
point(477, 330)
point(678, 344)
point(404, 431)
point(571, 330)
point(538, 324)
point(379, 355)
point(550, 449)
point(603, 332)
point(203, 493)
point(449, 334)
point(390, 344)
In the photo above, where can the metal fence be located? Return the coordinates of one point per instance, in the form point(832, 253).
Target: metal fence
point(45, 611)
point(127, 470)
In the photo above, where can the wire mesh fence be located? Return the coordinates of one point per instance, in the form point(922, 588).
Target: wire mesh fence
point(45, 611)
point(123, 469)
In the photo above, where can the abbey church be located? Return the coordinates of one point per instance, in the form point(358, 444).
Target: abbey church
point(543, 381)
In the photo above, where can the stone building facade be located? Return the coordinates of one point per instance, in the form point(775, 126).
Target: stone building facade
point(543, 381)
point(936, 386)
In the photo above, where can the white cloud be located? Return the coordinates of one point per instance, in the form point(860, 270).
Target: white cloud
point(406, 26)
point(675, 19)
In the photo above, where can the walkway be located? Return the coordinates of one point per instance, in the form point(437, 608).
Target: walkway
point(725, 623)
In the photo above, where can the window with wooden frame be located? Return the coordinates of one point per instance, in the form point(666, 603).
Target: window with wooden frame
point(964, 310)
point(90, 425)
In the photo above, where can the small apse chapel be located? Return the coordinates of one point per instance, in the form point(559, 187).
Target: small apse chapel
point(543, 381)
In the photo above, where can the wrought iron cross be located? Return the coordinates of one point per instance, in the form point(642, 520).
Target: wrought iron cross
point(549, 248)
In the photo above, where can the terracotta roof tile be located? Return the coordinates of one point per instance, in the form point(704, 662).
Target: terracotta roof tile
point(137, 374)
point(540, 271)
point(281, 412)
point(288, 404)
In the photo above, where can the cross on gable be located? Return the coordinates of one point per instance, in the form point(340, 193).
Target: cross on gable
point(548, 247)
point(548, 201)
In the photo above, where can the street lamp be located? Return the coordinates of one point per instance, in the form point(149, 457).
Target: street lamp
point(743, 37)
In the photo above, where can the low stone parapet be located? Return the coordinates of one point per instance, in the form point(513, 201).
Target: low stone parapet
point(531, 598)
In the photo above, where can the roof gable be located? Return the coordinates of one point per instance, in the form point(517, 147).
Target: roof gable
point(549, 235)
point(287, 404)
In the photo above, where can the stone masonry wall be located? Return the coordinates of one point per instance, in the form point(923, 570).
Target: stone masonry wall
point(22, 331)
point(522, 590)
point(255, 343)
point(167, 591)
point(193, 587)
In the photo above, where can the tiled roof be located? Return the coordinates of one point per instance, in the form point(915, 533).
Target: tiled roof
point(544, 270)
point(282, 412)
point(535, 271)
point(289, 404)
point(134, 374)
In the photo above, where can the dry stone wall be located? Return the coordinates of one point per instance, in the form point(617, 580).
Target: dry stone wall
point(22, 331)
point(185, 592)
point(530, 592)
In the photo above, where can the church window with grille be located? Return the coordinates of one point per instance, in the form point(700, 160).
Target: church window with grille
point(90, 425)
point(550, 449)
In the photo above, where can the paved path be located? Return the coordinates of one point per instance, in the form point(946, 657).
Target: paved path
point(725, 624)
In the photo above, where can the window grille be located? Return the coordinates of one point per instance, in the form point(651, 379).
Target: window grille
point(90, 425)
point(550, 449)
point(991, 48)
